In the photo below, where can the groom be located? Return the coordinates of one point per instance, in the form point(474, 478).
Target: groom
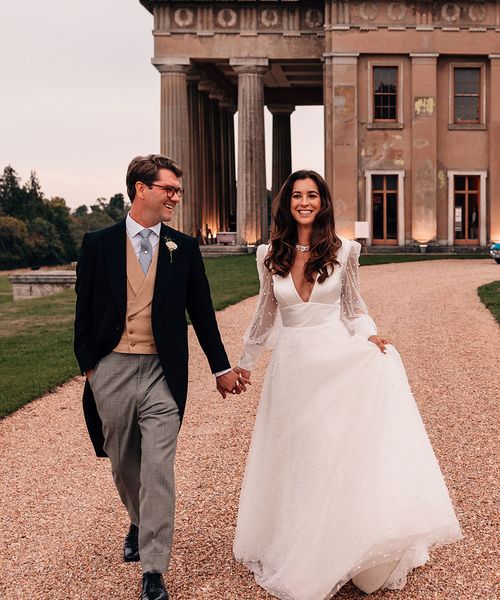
point(135, 281)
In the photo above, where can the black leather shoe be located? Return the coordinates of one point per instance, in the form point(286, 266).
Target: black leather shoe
point(153, 587)
point(131, 546)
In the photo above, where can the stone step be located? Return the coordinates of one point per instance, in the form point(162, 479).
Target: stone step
point(429, 250)
point(212, 250)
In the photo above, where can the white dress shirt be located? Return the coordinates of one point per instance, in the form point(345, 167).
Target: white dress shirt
point(133, 232)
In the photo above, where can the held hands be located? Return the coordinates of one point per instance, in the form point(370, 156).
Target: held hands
point(232, 383)
point(244, 375)
point(380, 342)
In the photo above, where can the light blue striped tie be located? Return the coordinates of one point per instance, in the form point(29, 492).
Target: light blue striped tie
point(146, 251)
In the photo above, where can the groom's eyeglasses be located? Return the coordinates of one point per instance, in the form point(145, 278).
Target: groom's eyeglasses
point(169, 190)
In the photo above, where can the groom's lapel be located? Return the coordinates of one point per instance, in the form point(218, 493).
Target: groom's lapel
point(165, 267)
point(116, 262)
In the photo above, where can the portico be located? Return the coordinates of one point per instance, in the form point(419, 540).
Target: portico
point(407, 90)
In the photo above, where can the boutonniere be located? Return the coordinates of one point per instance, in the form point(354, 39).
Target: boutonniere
point(171, 246)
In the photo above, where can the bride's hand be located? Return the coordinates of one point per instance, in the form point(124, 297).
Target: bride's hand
point(380, 342)
point(244, 375)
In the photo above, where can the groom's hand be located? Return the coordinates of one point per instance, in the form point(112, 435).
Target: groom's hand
point(230, 383)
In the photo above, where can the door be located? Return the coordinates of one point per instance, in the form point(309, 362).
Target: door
point(466, 209)
point(385, 210)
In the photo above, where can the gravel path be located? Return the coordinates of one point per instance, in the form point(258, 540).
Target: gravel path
point(62, 524)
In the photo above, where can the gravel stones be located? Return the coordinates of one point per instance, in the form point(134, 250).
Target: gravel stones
point(63, 525)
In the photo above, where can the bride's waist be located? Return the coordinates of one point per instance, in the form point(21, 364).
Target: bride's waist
point(310, 314)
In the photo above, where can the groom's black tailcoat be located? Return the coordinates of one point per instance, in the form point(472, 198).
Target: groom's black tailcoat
point(180, 285)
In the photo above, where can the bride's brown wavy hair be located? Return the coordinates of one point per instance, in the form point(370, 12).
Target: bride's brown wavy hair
point(324, 241)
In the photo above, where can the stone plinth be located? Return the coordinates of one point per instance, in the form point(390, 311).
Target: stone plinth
point(41, 283)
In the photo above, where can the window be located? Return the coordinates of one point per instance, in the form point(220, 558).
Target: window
point(385, 209)
point(385, 93)
point(466, 95)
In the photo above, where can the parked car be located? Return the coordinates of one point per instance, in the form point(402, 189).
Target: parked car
point(495, 251)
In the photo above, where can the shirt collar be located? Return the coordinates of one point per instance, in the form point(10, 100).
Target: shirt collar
point(133, 227)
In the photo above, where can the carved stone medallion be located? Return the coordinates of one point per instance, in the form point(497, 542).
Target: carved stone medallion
point(477, 12)
point(269, 17)
point(368, 11)
point(183, 17)
point(314, 18)
point(227, 17)
point(450, 12)
point(396, 11)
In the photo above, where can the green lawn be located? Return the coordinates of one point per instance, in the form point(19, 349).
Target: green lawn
point(232, 279)
point(5, 289)
point(36, 335)
point(490, 297)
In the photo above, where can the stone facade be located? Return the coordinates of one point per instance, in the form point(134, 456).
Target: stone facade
point(411, 113)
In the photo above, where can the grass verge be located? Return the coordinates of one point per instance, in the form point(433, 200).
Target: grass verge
point(490, 297)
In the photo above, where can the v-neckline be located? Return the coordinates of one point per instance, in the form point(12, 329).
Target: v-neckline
point(297, 291)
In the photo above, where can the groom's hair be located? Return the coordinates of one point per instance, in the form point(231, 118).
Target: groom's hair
point(145, 169)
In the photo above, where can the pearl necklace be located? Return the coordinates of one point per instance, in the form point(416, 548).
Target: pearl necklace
point(302, 248)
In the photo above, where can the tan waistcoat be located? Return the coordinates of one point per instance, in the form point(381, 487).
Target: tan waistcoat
point(137, 337)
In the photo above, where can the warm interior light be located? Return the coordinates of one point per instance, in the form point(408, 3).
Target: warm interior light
point(424, 236)
point(495, 236)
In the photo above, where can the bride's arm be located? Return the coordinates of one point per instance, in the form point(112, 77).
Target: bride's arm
point(354, 311)
point(264, 319)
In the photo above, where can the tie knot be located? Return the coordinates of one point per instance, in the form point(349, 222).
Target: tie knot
point(145, 233)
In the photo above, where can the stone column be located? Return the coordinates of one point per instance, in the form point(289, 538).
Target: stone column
point(494, 136)
point(228, 160)
point(252, 224)
point(341, 138)
point(282, 144)
point(424, 147)
point(209, 131)
point(231, 159)
point(214, 161)
point(216, 97)
point(174, 140)
point(195, 155)
point(328, 119)
point(204, 155)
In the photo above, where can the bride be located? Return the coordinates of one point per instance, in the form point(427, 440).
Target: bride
point(341, 482)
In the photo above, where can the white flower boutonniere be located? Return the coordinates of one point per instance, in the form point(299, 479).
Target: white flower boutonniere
point(171, 247)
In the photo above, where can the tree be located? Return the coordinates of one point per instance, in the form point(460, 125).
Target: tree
point(45, 245)
point(81, 211)
point(35, 204)
point(81, 224)
point(59, 216)
point(14, 250)
point(10, 191)
point(117, 208)
point(25, 203)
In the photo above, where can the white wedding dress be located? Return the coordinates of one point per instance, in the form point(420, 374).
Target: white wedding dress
point(341, 481)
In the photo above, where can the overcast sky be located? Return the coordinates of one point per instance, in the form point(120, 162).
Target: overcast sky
point(79, 96)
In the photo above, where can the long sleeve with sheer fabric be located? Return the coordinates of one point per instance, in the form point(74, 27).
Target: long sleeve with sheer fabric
point(354, 312)
point(261, 331)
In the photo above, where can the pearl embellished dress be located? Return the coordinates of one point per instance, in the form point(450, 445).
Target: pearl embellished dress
point(341, 481)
